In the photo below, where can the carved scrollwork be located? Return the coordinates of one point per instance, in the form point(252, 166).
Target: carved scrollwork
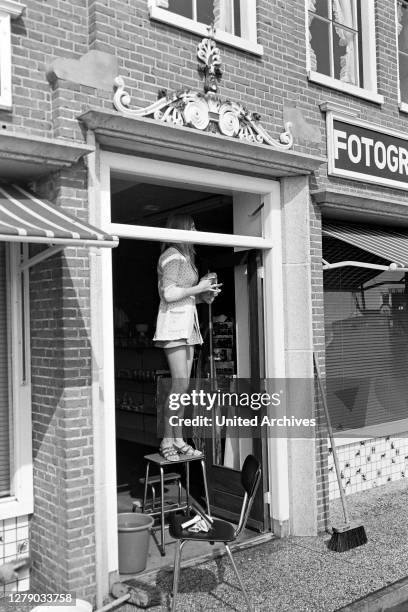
point(204, 112)
point(229, 119)
point(196, 114)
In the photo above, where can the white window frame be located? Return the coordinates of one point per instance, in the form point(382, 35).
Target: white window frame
point(246, 42)
point(9, 9)
point(368, 35)
point(21, 501)
point(403, 106)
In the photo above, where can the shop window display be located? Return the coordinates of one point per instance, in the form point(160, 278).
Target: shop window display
point(366, 333)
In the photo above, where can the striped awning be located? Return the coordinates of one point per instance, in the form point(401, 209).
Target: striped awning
point(27, 218)
point(387, 243)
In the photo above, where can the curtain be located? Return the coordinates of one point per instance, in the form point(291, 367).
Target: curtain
point(224, 15)
point(312, 54)
point(343, 13)
point(400, 12)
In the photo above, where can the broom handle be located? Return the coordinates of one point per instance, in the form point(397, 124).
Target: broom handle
point(333, 444)
point(115, 603)
point(210, 333)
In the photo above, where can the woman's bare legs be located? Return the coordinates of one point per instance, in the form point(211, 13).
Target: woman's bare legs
point(180, 360)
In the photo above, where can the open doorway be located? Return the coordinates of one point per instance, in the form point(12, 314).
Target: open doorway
point(237, 337)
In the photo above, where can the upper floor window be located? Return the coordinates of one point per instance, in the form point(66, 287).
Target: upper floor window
point(335, 39)
point(234, 20)
point(341, 46)
point(226, 14)
point(402, 15)
point(9, 9)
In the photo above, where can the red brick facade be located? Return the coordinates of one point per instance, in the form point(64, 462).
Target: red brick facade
point(151, 56)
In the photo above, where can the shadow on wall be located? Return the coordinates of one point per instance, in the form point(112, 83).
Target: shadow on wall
point(62, 534)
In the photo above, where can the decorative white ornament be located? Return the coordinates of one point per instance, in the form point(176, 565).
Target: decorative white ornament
point(228, 121)
point(203, 112)
point(196, 114)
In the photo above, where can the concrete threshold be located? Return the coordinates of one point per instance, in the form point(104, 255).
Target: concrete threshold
point(381, 600)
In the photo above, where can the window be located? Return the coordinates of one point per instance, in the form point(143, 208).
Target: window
point(341, 46)
point(335, 39)
point(16, 478)
point(9, 9)
point(4, 381)
point(366, 337)
point(234, 20)
point(225, 13)
point(402, 30)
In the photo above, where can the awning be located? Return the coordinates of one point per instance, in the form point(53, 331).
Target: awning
point(26, 218)
point(389, 244)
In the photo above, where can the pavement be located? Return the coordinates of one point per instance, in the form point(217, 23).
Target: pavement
point(300, 574)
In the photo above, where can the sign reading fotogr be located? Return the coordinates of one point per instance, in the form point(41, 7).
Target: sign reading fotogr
point(367, 153)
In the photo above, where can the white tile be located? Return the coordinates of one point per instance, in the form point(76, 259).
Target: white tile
point(22, 533)
point(10, 523)
point(9, 536)
point(24, 584)
point(10, 550)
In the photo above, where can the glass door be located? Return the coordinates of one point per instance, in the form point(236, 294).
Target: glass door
point(233, 359)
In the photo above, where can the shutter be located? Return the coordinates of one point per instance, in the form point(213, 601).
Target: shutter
point(366, 334)
point(4, 383)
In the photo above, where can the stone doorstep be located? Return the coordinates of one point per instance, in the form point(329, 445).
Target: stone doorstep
point(381, 600)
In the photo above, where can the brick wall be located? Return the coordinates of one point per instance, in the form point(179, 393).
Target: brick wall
point(62, 527)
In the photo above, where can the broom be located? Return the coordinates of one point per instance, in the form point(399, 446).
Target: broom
point(350, 535)
point(134, 592)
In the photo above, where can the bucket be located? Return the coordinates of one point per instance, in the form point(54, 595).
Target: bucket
point(134, 538)
point(80, 606)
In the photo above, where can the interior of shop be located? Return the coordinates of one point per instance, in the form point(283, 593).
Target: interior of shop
point(366, 332)
point(139, 364)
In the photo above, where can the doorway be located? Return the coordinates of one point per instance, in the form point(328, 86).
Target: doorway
point(232, 330)
point(260, 230)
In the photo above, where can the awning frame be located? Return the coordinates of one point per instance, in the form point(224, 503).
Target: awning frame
point(392, 267)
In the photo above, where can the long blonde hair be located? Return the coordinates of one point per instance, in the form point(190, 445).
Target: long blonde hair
point(183, 222)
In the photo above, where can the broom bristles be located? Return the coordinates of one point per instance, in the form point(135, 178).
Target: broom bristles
point(346, 538)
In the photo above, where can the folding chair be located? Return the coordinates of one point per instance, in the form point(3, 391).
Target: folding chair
point(220, 531)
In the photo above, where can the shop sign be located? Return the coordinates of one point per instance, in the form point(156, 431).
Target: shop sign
point(364, 152)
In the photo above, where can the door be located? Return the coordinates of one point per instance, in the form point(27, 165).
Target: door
point(242, 341)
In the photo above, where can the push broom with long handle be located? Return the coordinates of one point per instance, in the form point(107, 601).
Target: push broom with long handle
point(350, 535)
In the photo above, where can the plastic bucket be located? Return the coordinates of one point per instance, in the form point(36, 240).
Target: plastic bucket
point(134, 538)
point(80, 606)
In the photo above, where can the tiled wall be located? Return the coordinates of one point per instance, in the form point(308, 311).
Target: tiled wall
point(369, 463)
point(14, 544)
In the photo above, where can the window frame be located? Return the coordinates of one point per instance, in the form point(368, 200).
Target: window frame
point(21, 500)
point(9, 9)
point(159, 12)
point(368, 43)
point(403, 106)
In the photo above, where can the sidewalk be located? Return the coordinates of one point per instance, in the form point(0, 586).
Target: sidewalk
point(301, 574)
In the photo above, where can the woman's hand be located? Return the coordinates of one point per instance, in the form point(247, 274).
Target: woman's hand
point(211, 289)
point(207, 284)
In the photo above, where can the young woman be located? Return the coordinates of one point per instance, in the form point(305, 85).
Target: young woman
point(177, 328)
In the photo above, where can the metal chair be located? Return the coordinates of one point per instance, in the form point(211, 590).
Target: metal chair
point(220, 531)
